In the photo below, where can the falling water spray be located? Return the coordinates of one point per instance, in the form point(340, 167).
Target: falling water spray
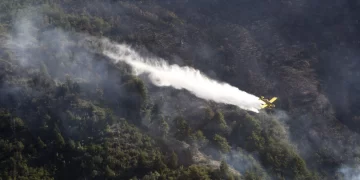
point(163, 74)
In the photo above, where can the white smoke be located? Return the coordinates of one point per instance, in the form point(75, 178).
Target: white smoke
point(163, 74)
point(350, 173)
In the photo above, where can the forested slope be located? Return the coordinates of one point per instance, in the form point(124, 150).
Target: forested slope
point(68, 112)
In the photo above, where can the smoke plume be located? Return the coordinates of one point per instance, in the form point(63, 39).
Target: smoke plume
point(163, 74)
point(350, 173)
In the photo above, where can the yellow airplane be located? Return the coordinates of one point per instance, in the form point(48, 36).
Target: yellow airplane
point(268, 103)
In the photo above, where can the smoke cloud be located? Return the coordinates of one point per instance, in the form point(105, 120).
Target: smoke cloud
point(350, 173)
point(163, 74)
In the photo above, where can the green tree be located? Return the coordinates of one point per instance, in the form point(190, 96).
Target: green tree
point(59, 140)
point(164, 127)
point(109, 172)
point(41, 143)
point(225, 171)
point(224, 167)
point(251, 175)
point(220, 121)
point(221, 143)
point(19, 123)
point(173, 160)
point(182, 129)
point(199, 139)
point(71, 144)
point(195, 172)
point(152, 176)
point(44, 70)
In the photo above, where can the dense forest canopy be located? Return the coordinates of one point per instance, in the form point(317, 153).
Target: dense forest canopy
point(69, 112)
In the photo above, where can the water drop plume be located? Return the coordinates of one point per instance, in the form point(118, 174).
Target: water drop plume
point(163, 74)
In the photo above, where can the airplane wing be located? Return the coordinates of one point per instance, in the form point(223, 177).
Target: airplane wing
point(273, 99)
point(264, 106)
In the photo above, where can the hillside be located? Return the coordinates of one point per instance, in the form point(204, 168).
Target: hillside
point(68, 112)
